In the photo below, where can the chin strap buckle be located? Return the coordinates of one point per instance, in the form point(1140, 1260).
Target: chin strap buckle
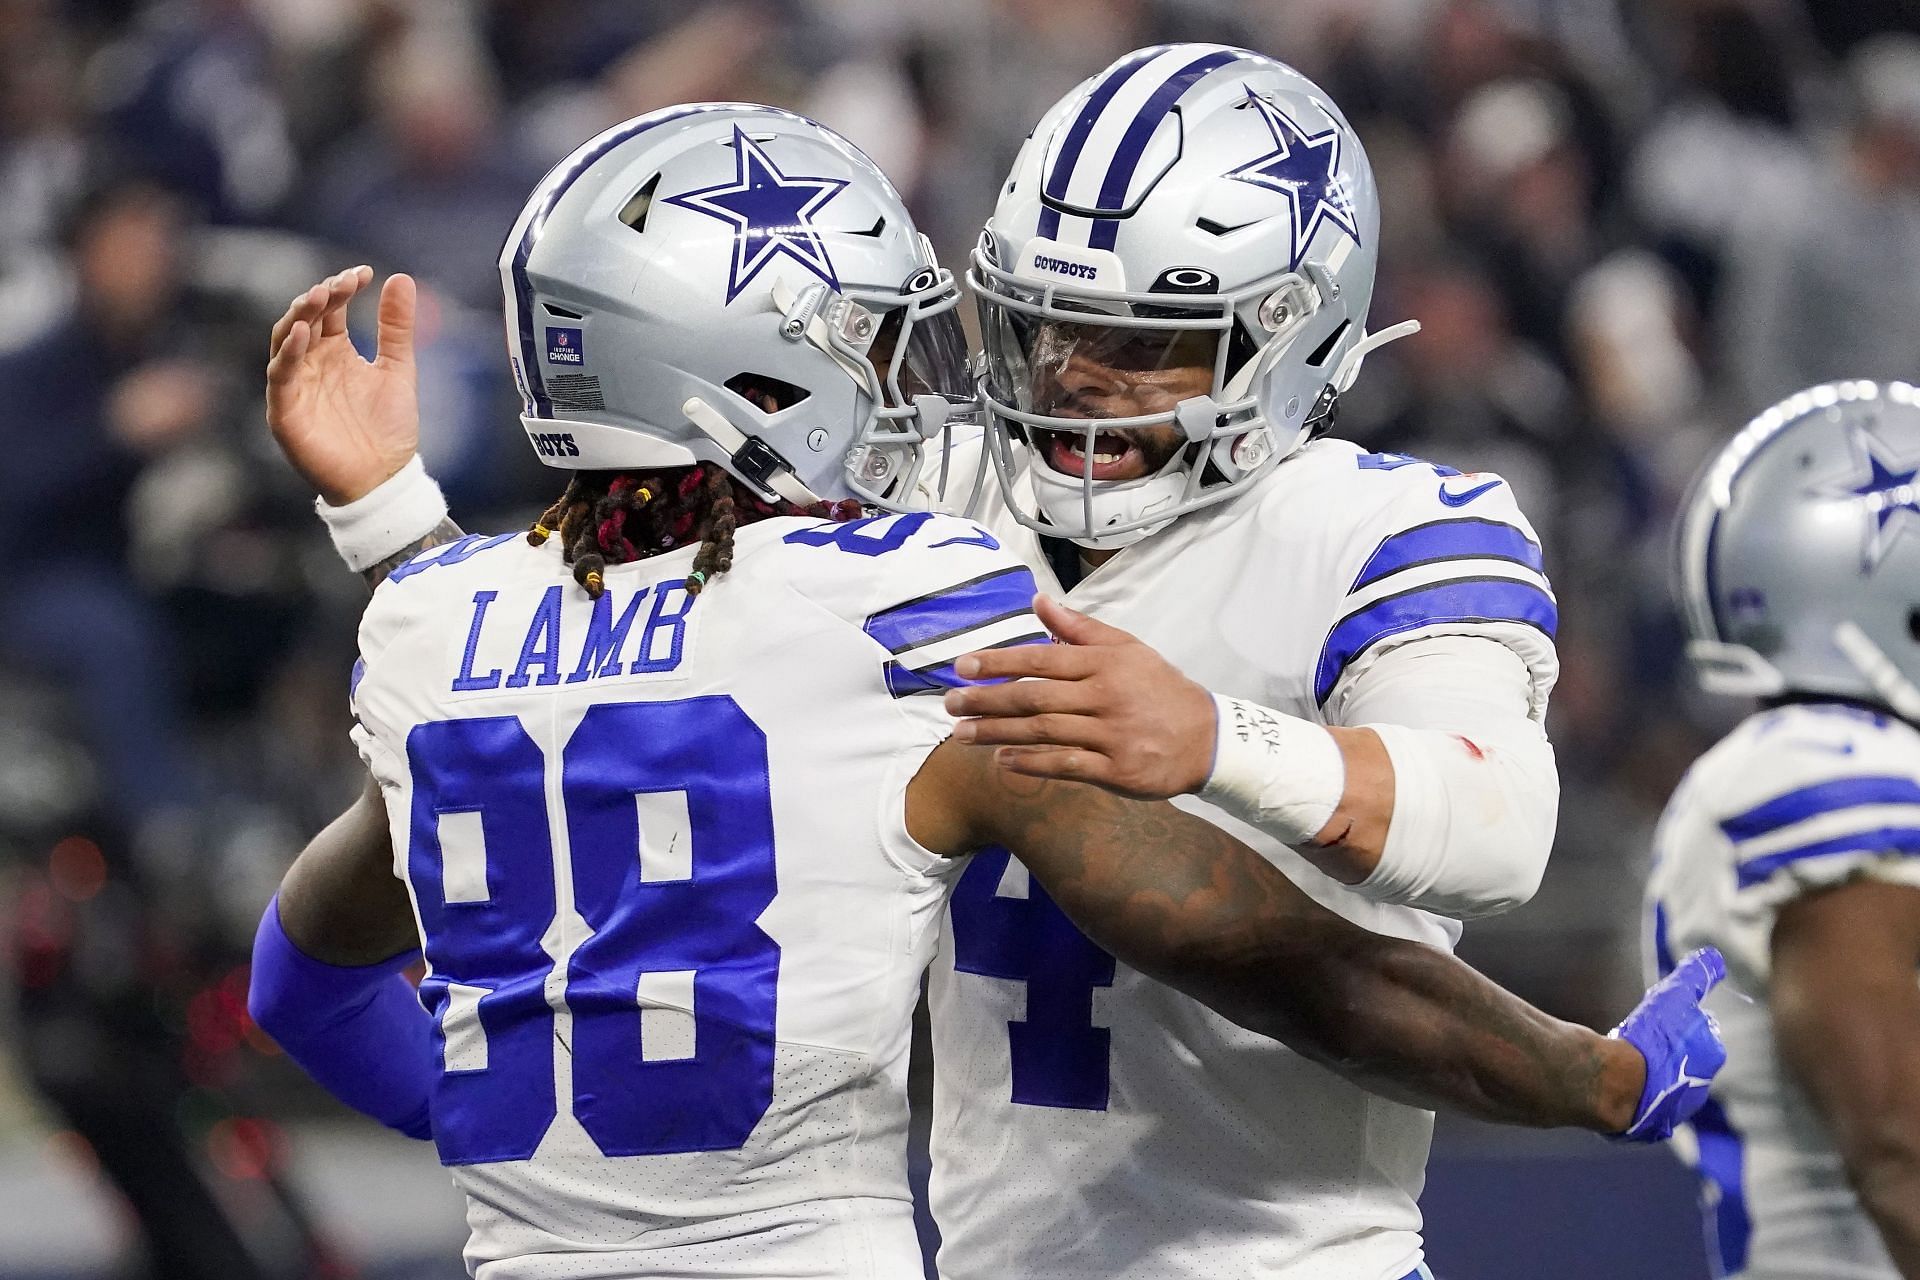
point(751, 458)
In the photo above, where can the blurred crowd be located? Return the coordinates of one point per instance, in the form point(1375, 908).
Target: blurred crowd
point(1626, 225)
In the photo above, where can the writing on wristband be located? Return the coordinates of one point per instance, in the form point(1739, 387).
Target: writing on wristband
point(1274, 771)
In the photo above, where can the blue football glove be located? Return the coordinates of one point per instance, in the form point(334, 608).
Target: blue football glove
point(1681, 1043)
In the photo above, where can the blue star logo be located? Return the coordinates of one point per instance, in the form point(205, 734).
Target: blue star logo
point(1888, 493)
point(771, 214)
point(1306, 170)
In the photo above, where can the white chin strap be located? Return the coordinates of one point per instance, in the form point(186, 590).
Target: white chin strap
point(1894, 688)
point(810, 316)
point(715, 426)
point(1734, 670)
point(1349, 367)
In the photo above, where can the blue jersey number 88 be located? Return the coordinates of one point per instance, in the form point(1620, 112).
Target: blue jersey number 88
point(489, 959)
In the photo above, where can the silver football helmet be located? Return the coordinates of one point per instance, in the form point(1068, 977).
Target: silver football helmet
point(1195, 208)
point(1799, 551)
point(733, 284)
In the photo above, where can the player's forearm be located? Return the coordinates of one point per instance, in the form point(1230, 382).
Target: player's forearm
point(1413, 1023)
point(1889, 1188)
point(1846, 1023)
point(1881, 1148)
point(358, 1030)
point(1864, 1091)
point(1179, 899)
point(1425, 817)
point(391, 523)
point(441, 534)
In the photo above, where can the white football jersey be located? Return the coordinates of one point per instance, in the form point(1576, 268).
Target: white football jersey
point(1091, 1122)
point(1801, 797)
point(674, 926)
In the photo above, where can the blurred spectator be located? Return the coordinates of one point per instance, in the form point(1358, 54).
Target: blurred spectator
point(1727, 139)
point(112, 385)
point(41, 142)
point(1522, 190)
point(435, 179)
point(188, 93)
point(1465, 391)
point(1821, 278)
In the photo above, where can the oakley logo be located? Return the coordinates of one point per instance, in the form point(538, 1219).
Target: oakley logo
point(1061, 267)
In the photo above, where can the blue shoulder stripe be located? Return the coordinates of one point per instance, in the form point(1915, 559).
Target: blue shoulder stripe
point(904, 681)
point(1821, 797)
point(1480, 599)
point(1466, 538)
point(977, 602)
point(1880, 840)
point(1133, 144)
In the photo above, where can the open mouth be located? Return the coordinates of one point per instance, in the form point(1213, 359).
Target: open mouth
point(1114, 455)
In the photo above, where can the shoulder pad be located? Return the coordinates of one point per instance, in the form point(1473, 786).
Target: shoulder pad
point(1804, 784)
point(1416, 561)
point(926, 588)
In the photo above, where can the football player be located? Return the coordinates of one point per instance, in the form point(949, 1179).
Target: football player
point(1343, 658)
point(1424, 618)
point(1794, 844)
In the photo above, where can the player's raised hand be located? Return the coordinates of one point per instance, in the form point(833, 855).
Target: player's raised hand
point(345, 422)
point(1681, 1043)
point(1099, 706)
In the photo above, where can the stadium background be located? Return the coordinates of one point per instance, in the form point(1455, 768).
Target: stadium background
point(1625, 224)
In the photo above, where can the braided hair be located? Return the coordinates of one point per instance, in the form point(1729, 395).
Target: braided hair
point(614, 517)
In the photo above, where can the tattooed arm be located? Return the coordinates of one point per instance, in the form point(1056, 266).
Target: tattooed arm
point(441, 534)
point(1182, 901)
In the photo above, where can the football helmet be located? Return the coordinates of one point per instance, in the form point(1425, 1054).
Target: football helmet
point(734, 284)
point(1799, 551)
point(1192, 207)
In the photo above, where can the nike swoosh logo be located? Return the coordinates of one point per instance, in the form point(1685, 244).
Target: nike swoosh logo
point(1832, 749)
point(1463, 498)
point(1683, 1081)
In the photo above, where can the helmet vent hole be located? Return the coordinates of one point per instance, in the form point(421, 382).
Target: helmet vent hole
point(635, 212)
point(561, 313)
point(1325, 349)
point(879, 225)
point(1913, 625)
point(1241, 347)
point(765, 392)
point(1213, 228)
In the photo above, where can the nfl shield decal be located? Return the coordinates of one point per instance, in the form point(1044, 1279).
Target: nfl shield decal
point(564, 346)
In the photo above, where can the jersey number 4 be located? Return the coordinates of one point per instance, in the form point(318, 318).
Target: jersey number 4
point(667, 941)
point(1059, 1058)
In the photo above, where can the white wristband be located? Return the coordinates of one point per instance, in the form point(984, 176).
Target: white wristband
point(402, 508)
point(1277, 772)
